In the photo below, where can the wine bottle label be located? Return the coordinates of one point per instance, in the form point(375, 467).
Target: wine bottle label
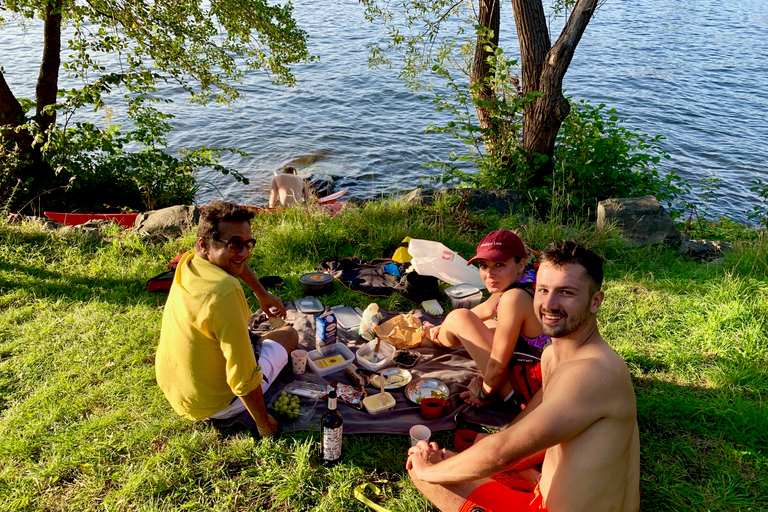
point(332, 443)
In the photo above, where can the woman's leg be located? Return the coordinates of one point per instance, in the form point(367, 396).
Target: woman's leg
point(463, 328)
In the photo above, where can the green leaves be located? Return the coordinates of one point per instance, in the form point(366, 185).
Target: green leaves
point(133, 48)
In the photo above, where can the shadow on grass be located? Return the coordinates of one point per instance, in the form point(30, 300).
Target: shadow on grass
point(46, 283)
point(702, 448)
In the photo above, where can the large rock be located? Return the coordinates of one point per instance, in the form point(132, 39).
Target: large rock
point(422, 196)
point(704, 250)
point(319, 184)
point(641, 219)
point(505, 201)
point(169, 222)
point(92, 230)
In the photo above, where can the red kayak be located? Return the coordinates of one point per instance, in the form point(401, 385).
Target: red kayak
point(331, 198)
point(126, 220)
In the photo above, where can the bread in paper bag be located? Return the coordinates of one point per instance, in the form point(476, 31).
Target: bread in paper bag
point(402, 331)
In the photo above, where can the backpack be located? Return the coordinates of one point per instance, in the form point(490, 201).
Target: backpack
point(162, 282)
point(524, 371)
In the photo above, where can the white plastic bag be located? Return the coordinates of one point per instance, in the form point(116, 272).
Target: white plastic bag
point(371, 318)
point(435, 259)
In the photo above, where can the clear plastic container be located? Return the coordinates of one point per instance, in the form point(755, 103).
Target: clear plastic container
point(334, 349)
point(306, 409)
point(385, 355)
point(464, 295)
point(307, 389)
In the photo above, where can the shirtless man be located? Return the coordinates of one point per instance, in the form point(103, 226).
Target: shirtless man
point(584, 417)
point(287, 189)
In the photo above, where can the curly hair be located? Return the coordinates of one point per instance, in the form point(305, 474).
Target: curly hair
point(218, 211)
point(569, 252)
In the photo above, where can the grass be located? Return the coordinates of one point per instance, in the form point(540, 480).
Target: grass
point(84, 427)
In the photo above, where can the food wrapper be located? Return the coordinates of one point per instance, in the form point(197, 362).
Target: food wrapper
point(349, 395)
point(402, 331)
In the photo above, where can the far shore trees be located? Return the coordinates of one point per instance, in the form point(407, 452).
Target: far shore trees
point(203, 46)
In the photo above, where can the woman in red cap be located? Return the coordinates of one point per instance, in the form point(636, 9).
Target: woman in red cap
point(501, 331)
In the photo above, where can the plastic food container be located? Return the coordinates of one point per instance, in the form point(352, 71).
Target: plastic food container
point(306, 409)
point(464, 295)
point(406, 358)
point(318, 358)
point(386, 353)
point(373, 403)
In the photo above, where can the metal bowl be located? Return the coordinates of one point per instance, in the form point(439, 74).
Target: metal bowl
point(401, 376)
point(426, 388)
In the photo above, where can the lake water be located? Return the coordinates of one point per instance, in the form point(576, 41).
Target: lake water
point(694, 71)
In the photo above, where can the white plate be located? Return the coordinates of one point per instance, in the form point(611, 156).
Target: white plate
point(400, 376)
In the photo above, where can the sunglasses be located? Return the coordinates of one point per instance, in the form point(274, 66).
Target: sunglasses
point(237, 245)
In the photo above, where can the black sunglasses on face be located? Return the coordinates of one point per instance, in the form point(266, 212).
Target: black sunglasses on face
point(237, 245)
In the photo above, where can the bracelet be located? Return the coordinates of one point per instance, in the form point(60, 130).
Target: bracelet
point(482, 395)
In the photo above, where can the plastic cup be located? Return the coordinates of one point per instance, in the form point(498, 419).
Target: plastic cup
point(432, 408)
point(419, 433)
point(299, 361)
point(463, 439)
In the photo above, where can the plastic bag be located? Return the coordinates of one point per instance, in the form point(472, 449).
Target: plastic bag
point(435, 259)
point(371, 318)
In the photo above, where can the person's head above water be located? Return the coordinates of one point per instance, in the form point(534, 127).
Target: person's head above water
point(500, 245)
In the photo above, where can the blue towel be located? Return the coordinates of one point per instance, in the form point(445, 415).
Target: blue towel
point(391, 268)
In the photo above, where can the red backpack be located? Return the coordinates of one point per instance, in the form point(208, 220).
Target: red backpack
point(525, 371)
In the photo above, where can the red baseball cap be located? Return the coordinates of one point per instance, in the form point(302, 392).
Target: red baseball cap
point(500, 245)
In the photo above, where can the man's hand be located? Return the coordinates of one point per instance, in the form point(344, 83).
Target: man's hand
point(269, 429)
point(272, 305)
point(424, 455)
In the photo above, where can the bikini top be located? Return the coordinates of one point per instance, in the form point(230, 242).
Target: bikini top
point(528, 283)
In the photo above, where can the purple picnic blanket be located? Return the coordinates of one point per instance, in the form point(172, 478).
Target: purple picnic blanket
point(453, 367)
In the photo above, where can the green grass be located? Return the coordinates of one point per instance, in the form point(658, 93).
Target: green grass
point(84, 427)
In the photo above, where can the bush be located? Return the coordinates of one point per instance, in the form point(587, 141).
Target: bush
point(595, 156)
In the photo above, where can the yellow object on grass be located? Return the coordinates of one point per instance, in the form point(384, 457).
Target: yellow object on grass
point(401, 253)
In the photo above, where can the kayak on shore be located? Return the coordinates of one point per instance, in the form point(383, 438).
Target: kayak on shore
point(127, 220)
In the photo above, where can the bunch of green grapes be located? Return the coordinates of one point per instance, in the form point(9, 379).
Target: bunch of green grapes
point(287, 405)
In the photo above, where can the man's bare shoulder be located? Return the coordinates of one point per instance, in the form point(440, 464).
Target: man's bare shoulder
point(596, 371)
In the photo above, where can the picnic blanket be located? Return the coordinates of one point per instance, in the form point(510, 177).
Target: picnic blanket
point(453, 367)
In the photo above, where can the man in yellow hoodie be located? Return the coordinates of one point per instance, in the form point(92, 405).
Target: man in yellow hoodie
point(205, 363)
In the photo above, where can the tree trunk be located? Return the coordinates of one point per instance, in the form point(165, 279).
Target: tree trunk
point(11, 113)
point(543, 69)
point(489, 18)
point(48, 79)
point(32, 177)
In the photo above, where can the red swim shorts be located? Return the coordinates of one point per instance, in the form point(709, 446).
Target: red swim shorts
point(494, 497)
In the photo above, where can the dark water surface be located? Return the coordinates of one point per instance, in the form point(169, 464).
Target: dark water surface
point(694, 71)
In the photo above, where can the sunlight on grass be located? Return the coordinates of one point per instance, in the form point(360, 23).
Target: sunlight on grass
point(84, 426)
